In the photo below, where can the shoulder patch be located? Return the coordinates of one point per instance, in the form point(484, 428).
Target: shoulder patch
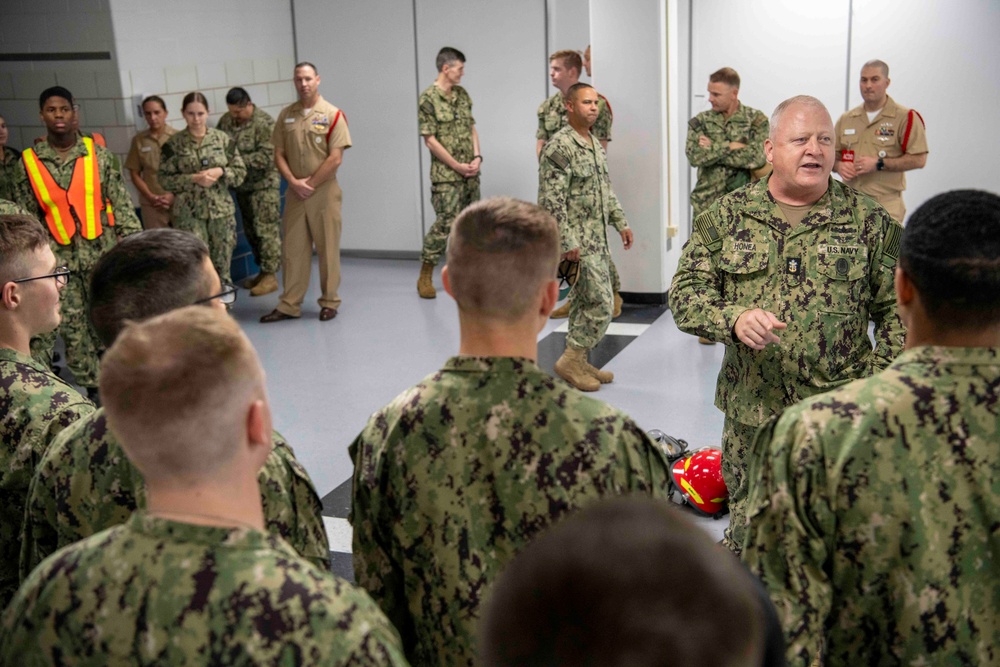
point(759, 119)
point(707, 226)
point(427, 107)
point(558, 159)
point(694, 123)
point(891, 238)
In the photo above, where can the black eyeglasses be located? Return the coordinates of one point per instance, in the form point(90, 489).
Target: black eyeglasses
point(61, 276)
point(226, 296)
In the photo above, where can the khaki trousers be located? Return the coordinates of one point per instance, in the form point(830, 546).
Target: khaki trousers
point(315, 221)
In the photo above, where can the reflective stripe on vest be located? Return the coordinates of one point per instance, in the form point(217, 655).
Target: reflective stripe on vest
point(99, 140)
point(62, 208)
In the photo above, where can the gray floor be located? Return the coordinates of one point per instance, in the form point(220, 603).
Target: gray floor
point(326, 378)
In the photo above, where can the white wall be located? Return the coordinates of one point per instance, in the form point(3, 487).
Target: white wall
point(173, 48)
point(636, 155)
point(48, 26)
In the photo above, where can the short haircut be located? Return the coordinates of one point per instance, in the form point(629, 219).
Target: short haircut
point(154, 98)
point(726, 75)
point(144, 275)
point(576, 87)
point(880, 64)
point(625, 581)
point(570, 59)
point(20, 235)
point(500, 252)
point(306, 63)
point(800, 100)
point(54, 91)
point(174, 388)
point(191, 98)
point(238, 97)
point(448, 55)
point(951, 251)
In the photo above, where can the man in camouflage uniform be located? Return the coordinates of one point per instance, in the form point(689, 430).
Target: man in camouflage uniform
point(195, 578)
point(564, 72)
point(84, 483)
point(449, 132)
point(259, 196)
point(458, 473)
point(573, 185)
point(59, 156)
point(797, 253)
point(874, 521)
point(726, 144)
point(35, 404)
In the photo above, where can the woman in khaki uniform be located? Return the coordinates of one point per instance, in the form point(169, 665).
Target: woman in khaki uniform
point(143, 162)
point(199, 164)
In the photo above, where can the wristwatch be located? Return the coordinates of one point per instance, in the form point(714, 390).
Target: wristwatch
point(880, 165)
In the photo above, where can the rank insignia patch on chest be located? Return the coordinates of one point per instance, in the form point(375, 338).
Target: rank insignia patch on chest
point(793, 265)
point(843, 266)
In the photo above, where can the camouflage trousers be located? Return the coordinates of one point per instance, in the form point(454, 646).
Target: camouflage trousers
point(592, 303)
point(261, 211)
point(737, 441)
point(448, 200)
point(219, 234)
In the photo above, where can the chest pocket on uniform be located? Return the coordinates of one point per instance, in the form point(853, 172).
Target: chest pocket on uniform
point(842, 262)
point(583, 178)
point(552, 122)
point(444, 114)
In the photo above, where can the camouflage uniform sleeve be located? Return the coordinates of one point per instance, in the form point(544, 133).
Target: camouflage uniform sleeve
point(38, 535)
point(113, 186)
point(696, 291)
point(751, 157)
point(651, 471)
point(292, 507)
point(616, 216)
point(374, 567)
point(169, 175)
point(697, 155)
point(890, 334)
point(236, 169)
point(262, 157)
point(789, 514)
point(541, 133)
point(426, 118)
point(553, 192)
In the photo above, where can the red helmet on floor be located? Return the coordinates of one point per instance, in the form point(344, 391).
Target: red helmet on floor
point(698, 478)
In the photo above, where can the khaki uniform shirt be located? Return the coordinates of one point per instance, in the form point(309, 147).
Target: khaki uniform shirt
point(552, 117)
point(308, 140)
point(874, 512)
point(574, 186)
point(144, 159)
point(826, 279)
point(895, 131)
point(447, 118)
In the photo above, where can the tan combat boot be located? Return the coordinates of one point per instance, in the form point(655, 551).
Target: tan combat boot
point(268, 283)
point(250, 283)
point(618, 306)
point(561, 312)
point(425, 285)
point(572, 367)
point(604, 377)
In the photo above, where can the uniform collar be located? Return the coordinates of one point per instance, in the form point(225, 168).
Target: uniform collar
point(762, 206)
point(298, 106)
point(889, 110)
point(243, 538)
point(939, 355)
point(466, 364)
point(45, 151)
point(580, 140)
point(13, 356)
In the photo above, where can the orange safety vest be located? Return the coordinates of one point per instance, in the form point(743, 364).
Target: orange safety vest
point(99, 140)
point(63, 208)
